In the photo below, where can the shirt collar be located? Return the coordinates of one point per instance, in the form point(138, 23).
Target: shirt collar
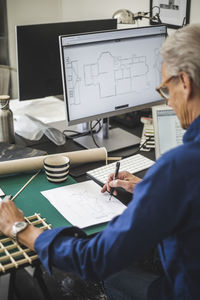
point(193, 131)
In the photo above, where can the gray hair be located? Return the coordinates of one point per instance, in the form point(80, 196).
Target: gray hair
point(181, 52)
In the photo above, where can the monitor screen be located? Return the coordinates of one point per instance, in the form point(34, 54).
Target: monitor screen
point(167, 129)
point(112, 72)
point(39, 73)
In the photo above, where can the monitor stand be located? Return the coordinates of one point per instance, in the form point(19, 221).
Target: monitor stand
point(111, 139)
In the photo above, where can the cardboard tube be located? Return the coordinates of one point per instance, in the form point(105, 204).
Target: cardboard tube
point(36, 163)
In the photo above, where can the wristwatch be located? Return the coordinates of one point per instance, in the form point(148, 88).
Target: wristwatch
point(18, 227)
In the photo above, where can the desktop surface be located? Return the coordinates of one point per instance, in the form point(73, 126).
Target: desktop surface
point(78, 171)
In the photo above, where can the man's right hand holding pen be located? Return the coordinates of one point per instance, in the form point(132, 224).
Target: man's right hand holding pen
point(124, 179)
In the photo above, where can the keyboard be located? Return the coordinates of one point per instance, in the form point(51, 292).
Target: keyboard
point(132, 164)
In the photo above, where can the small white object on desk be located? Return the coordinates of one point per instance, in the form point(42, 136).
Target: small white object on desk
point(1, 193)
point(47, 110)
point(147, 139)
point(83, 204)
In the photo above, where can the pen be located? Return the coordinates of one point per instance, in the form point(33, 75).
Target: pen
point(115, 176)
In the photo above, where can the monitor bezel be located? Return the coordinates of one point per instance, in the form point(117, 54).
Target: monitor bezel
point(111, 113)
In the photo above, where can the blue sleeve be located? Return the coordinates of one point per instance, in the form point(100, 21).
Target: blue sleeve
point(154, 212)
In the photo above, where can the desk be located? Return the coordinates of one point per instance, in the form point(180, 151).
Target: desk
point(78, 172)
point(14, 183)
point(32, 201)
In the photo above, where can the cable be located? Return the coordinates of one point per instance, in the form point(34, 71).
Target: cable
point(147, 140)
point(91, 132)
point(184, 23)
point(80, 134)
point(156, 17)
point(138, 150)
point(97, 123)
point(76, 134)
point(156, 6)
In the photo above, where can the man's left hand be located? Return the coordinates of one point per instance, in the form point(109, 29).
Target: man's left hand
point(9, 214)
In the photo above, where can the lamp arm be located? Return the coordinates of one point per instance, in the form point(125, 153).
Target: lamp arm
point(140, 16)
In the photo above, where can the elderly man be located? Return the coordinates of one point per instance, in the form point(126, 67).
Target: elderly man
point(164, 211)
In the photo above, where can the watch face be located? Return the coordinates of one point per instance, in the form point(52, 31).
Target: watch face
point(18, 227)
point(20, 224)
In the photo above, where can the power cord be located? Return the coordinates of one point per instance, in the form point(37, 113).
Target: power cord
point(142, 145)
point(91, 132)
point(80, 134)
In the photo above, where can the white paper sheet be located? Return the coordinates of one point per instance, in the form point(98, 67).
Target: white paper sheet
point(83, 204)
point(1, 192)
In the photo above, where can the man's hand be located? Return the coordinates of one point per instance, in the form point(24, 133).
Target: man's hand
point(124, 180)
point(9, 214)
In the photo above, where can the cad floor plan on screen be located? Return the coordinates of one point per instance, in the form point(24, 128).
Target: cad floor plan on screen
point(111, 75)
point(111, 70)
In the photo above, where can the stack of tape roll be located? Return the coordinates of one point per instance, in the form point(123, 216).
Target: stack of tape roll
point(56, 168)
point(36, 163)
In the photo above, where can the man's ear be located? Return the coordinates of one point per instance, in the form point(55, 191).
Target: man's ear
point(186, 84)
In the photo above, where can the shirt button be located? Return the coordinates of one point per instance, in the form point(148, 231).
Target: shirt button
point(76, 234)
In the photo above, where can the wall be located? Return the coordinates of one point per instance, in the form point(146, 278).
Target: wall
point(86, 9)
point(44, 11)
point(91, 9)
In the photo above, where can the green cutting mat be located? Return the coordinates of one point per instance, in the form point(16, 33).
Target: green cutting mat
point(31, 201)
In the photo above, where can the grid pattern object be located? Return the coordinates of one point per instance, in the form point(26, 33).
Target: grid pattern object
point(13, 255)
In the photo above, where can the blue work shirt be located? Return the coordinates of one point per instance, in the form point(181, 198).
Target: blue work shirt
point(164, 211)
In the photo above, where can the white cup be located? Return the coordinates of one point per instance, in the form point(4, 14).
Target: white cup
point(56, 168)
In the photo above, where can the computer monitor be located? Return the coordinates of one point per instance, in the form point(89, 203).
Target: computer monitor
point(110, 73)
point(167, 129)
point(38, 58)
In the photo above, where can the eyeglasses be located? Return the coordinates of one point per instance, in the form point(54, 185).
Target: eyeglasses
point(163, 90)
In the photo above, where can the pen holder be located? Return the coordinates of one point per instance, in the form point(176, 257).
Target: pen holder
point(56, 168)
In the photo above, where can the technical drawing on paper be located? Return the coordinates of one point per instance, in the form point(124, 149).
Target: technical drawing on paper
point(94, 205)
point(83, 205)
point(170, 5)
point(115, 75)
point(170, 11)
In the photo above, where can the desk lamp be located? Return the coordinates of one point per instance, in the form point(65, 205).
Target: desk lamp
point(125, 16)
